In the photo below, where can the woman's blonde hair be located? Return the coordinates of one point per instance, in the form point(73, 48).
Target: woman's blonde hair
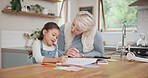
point(84, 21)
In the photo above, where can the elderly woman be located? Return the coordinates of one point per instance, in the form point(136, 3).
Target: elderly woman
point(79, 38)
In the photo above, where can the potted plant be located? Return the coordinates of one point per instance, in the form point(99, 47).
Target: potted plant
point(35, 34)
point(32, 37)
point(38, 9)
point(16, 5)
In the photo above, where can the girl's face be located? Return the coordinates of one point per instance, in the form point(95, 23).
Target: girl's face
point(50, 36)
point(75, 30)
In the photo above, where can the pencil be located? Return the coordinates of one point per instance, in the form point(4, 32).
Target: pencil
point(49, 65)
point(60, 52)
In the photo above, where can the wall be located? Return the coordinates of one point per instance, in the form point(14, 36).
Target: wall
point(0, 46)
point(13, 38)
point(113, 38)
point(143, 22)
point(72, 9)
point(75, 4)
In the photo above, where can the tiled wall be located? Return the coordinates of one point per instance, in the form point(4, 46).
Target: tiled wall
point(143, 22)
point(113, 38)
point(0, 48)
point(13, 39)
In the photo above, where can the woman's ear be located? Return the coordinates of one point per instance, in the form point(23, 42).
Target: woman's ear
point(44, 32)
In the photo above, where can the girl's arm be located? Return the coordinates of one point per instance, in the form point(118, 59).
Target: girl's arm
point(59, 59)
point(40, 59)
point(36, 51)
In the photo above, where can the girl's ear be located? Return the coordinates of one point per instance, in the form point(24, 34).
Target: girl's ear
point(44, 32)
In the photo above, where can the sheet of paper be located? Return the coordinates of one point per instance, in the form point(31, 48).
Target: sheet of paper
point(80, 61)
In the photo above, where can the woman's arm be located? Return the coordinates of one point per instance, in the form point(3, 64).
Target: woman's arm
point(98, 43)
point(98, 46)
point(61, 40)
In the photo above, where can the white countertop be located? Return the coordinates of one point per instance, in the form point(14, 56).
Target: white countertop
point(16, 49)
point(137, 47)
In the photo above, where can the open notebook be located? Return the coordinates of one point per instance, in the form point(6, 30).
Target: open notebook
point(80, 61)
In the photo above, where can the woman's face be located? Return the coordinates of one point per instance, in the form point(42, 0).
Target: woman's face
point(50, 36)
point(75, 30)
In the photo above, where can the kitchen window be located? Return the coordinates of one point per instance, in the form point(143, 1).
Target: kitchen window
point(118, 13)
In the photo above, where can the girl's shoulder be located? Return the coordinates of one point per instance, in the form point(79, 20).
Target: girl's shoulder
point(36, 45)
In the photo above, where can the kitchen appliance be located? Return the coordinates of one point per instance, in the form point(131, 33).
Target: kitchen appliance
point(140, 51)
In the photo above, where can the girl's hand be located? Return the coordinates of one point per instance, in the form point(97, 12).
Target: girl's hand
point(73, 52)
point(62, 59)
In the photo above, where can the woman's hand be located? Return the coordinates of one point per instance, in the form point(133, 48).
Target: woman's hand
point(73, 52)
point(62, 59)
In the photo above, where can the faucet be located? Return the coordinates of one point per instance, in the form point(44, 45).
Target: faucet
point(123, 39)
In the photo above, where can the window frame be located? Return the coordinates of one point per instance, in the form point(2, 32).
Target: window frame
point(100, 5)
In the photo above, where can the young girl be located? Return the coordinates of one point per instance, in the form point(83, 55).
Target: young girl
point(45, 48)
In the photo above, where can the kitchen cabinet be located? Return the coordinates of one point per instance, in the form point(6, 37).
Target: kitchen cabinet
point(12, 57)
point(140, 3)
point(9, 11)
